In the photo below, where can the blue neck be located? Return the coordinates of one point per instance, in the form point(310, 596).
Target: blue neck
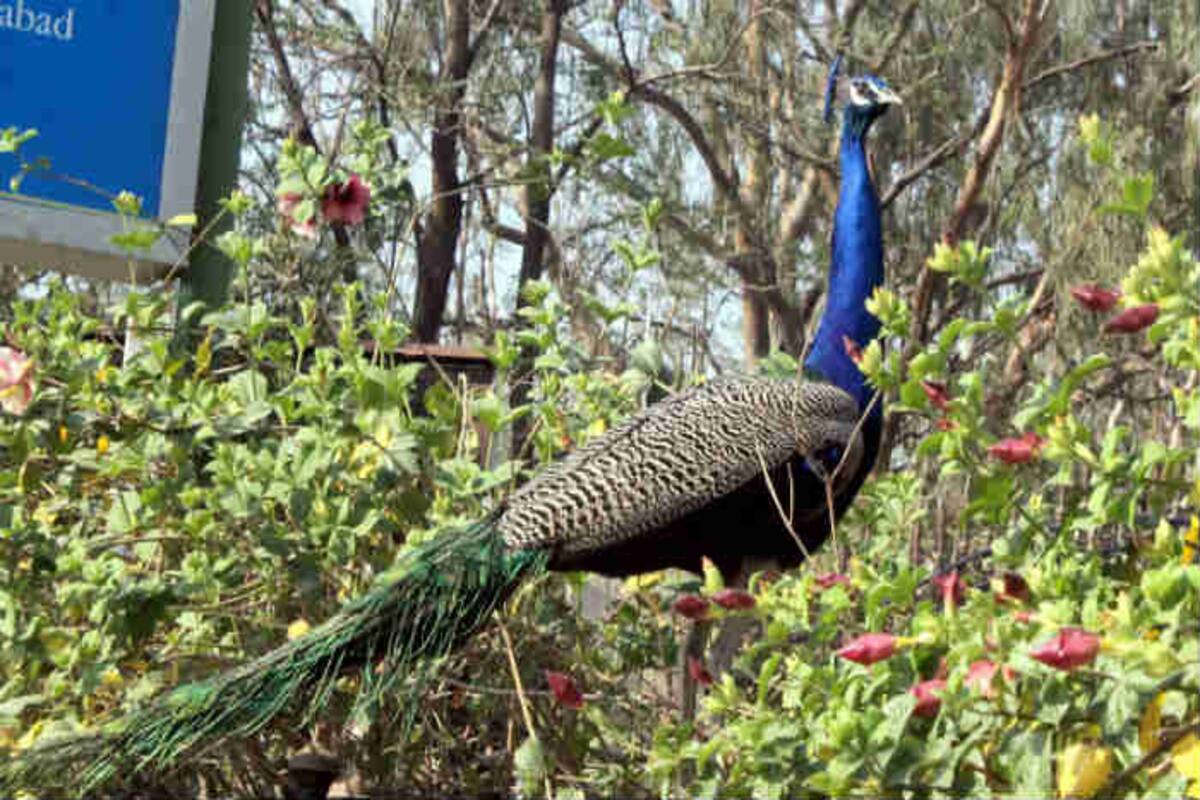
point(855, 269)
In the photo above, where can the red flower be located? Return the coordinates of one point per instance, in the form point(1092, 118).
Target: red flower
point(692, 606)
point(869, 648)
point(1025, 616)
point(734, 599)
point(852, 349)
point(831, 579)
point(936, 392)
point(952, 588)
point(1011, 587)
point(1017, 451)
point(346, 202)
point(1132, 320)
point(566, 691)
point(699, 672)
point(981, 675)
point(945, 424)
point(1071, 648)
point(928, 702)
point(287, 204)
point(1095, 298)
point(16, 380)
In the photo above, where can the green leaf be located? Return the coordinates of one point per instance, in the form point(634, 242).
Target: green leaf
point(137, 240)
point(124, 512)
point(606, 147)
point(530, 764)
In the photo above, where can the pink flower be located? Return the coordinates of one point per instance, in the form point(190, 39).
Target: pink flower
point(16, 380)
point(692, 606)
point(346, 202)
point(566, 691)
point(981, 675)
point(286, 204)
point(734, 599)
point(936, 393)
point(1132, 320)
point(928, 701)
point(869, 648)
point(1025, 616)
point(952, 588)
point(699, 672)
point(1017, 451)
point(1071, 648)
point(831, 579)
point(1095, 298)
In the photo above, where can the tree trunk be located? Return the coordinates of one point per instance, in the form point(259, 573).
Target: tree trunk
point(760, 275)
point(536, 200)
point(541, 140)
point(437, 237)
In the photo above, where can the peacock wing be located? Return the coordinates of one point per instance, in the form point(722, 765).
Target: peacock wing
point(675, 457)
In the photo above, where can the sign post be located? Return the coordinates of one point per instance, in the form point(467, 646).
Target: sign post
point(116, 91)
point(210, 272)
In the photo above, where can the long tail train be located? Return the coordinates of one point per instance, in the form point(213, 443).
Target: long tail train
point(439, 594)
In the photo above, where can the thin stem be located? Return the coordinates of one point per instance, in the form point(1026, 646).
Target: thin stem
point(787, 522)
point(522, 700)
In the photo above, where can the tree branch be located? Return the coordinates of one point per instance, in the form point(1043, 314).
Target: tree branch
point(1006, 98)
point(264, 10)
point(1086, 61)
point(640, 87)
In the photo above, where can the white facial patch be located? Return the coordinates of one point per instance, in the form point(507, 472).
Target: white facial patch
point(861, 94)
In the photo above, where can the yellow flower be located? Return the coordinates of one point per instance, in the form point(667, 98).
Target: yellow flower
point(638, 583)
point(102, 445)
point(63, 434)
point(1185, 756)
point(1089, 127)
point(1083, 769)
point(1191, 541)
point(298, 629)
point(111, 677)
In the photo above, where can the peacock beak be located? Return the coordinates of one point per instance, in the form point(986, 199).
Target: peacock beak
point(887, 97)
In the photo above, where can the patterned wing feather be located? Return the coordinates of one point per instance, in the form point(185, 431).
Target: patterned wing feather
point(674, 458)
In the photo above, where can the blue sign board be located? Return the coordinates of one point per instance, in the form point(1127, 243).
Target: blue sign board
point(94, 78)
point(115, 90)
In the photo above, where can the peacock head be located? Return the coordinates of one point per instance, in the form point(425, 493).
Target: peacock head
point(869, 96)
point(865, 98)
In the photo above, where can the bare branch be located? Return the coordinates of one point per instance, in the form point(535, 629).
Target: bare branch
point(935, 158)
point(998, 7)
point(302, 128)
point(485, 27)
point(899, 31)
point(1177, 95)
point(724, 183)
point(1087, 61)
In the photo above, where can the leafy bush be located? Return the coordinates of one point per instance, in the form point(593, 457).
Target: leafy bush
point(1028, 578)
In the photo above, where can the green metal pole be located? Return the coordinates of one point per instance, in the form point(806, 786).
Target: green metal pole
point(210, 272)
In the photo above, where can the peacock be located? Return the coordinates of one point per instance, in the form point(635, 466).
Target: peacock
point(706, 473)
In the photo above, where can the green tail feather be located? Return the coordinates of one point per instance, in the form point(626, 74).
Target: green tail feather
point(430, 603)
